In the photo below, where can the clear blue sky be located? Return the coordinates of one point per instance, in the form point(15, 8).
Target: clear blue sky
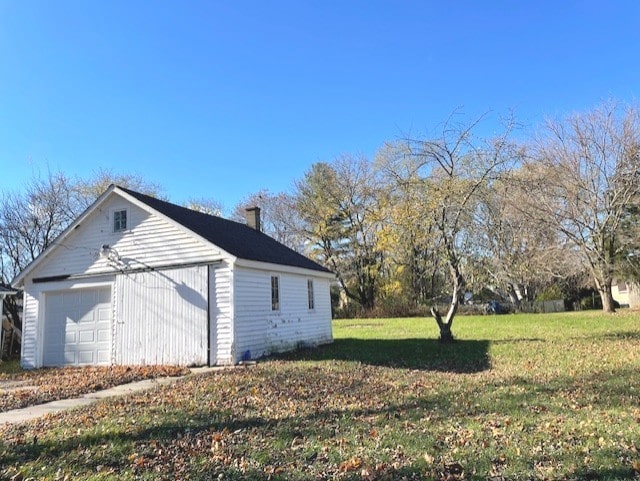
point(220, 99)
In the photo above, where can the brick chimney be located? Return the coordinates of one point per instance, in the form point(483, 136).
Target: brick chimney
point(252, 215)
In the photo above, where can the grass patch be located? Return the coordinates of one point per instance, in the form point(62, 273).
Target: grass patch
point(517, 397)
point(10, 368)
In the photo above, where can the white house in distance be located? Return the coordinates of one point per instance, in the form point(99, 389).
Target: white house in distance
point(627, 293)
point(139, 281)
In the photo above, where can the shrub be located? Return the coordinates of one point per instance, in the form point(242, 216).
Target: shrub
point(591, 302)
point(550, 293)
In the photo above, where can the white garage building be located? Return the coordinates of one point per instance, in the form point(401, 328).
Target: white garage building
point(137, 280)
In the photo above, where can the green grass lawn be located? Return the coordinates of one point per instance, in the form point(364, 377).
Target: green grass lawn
point(8, 368)
point(516, 397)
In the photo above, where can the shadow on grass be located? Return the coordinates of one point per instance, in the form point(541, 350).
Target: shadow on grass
point(623, 335)
point(180, 438)
point(518, 340)
point(462, 356)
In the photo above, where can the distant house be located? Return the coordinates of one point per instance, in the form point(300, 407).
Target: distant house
point(137, 280)
point(627, 293)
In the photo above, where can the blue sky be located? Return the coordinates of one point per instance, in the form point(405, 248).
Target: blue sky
point(221, 99)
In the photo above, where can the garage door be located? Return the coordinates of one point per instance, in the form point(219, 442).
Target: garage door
point(77, 327)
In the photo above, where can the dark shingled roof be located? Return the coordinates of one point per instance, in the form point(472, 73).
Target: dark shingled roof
point(237, 239)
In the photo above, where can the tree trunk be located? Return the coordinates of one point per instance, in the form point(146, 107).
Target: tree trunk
point(446, 336)
point(514, 298)
point(604, 289)
point(607, 300)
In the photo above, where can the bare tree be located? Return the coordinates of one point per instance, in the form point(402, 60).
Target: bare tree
point(454, 167)
point(519, 254)
point(88, 190)
point(279, 217)
point(583, 176)
point(205, 205)
point(31, 220)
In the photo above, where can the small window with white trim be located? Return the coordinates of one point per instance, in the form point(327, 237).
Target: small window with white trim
point(275, 293)
point(120, 220)
point(310, 298)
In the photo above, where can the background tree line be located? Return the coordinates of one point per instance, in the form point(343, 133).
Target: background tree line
point(430, 220)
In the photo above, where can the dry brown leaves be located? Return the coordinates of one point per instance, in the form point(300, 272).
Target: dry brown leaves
point(44, 385)
point(346, 421)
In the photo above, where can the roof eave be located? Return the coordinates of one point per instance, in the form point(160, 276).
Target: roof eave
point(269, 266)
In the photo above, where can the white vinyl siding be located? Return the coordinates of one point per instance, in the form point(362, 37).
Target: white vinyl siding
point(221, 315)
point(149, 241)
point(252, 308)
point(29, 354)
point(261, 331)
point(296, 324)
point(161, 317)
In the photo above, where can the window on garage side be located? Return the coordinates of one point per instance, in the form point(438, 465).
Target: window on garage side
point(310, 294)
point(275, 293)
point(120, 220)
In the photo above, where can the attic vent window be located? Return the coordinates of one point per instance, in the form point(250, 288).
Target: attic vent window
point(120, 220)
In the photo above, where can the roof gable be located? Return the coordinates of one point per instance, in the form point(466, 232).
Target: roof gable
point(235, 238)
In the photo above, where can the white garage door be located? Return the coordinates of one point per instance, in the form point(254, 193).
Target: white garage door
point(77, 327)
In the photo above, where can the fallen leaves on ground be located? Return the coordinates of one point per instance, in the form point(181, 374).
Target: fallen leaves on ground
point(568, 409)
point(44, 385)
point(328, 420)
